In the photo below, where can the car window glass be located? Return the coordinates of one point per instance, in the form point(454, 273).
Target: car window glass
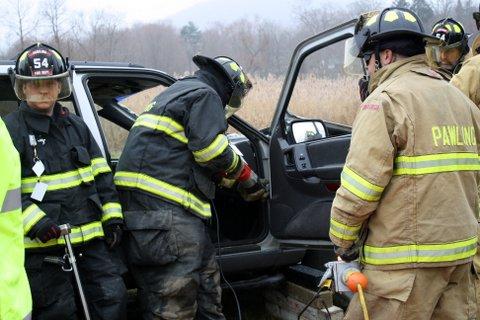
point(323, 90)
point(115, 135)
point(7, 106)
point(260, 103)
point(8, 99)
point(139, 101)
point(132, 93)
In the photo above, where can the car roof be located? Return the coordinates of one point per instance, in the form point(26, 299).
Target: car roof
point(87, 63)
point(6, 64)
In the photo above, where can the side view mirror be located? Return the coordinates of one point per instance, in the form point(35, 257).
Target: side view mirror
point(306, 130)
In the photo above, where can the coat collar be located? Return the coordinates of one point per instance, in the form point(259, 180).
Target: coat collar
point(41, 122)
point(415, 63)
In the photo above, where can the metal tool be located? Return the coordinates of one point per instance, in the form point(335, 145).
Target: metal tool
point(65, 232)
point(338, 272)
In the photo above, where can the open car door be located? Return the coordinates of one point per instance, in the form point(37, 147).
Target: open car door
point(306, 157)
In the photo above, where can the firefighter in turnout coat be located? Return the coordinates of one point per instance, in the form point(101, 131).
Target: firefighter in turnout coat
point(175, 151)
point(408, 195)
point(65, 179)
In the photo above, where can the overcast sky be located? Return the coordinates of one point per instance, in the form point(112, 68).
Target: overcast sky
point(201, 12)
point(135, 11)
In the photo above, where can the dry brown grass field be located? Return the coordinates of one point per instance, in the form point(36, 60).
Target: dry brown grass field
point(333, 100)
point(329, 99)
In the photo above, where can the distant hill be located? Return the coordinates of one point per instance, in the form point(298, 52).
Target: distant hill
point(206, 13)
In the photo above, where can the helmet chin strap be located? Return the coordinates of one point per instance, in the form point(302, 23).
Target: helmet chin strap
point(378, 64)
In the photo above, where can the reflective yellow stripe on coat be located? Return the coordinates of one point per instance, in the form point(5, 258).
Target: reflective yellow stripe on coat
point(78, 235)
point(59, 181)
point(162, 189)
point(68, 179)
point(420, 253)
point(100, 165)
point(436, 163)
point(31, 215)
point(111, 210)
point(234, 164)
point(218, 145)
point(164, 124)
point(343, 231)
point(360, 186)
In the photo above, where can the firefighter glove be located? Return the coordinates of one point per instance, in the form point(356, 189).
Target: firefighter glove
point(48, 230)
point(223, 181)
point(349, 254)
point(253, 190)
point(113, 235)
point(250, 187)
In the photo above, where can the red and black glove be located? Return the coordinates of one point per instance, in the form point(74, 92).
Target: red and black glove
point(249, 186)
point(48, 231)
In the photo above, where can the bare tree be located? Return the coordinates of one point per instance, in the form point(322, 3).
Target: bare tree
point(443, 8)
point(22, 23)
point(55, 15)
point(97, 36)
point(361, 6)
point(317, 20)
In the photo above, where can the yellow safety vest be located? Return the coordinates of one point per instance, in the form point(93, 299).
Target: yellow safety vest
point(15, 297)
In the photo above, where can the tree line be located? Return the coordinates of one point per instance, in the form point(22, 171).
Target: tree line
point(263, 47)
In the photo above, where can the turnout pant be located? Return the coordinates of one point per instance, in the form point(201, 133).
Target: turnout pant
point(172, 260)
point(443, 293)
point(53, 290)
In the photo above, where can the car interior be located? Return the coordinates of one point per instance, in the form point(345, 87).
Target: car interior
point(240, 223)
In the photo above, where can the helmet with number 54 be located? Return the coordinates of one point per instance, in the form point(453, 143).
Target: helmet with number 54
point(41, 66)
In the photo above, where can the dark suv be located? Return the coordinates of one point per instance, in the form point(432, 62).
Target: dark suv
point(301, 157)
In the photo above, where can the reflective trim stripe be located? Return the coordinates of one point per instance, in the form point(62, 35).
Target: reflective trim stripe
point(344, 231)
point(28, 316)
point(162, 189)
point(436, 163)
point(234, 164)
point(12, 200)
point(219, 144)
point(59, 181)
point(164, 124)
point(79, 234)
point(359, 186)
point(111, 210)
point(100, 165)
point(420, 253)
point(31, 216)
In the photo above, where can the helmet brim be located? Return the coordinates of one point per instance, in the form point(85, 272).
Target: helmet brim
point(63, 79)
point(396, 33)
point(207, 63)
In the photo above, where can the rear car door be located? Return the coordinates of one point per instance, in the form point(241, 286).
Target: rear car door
point(110, 98)
point(310, 139)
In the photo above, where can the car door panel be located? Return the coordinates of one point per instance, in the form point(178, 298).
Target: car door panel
point(306, 175)
point(323, 159)
point(304, 181)
point(327, 157)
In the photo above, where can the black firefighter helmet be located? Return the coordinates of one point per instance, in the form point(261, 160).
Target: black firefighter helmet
point(37, 63)
point(377, 30)
point(452, 34)
point(476, 17)
point(235, 79)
